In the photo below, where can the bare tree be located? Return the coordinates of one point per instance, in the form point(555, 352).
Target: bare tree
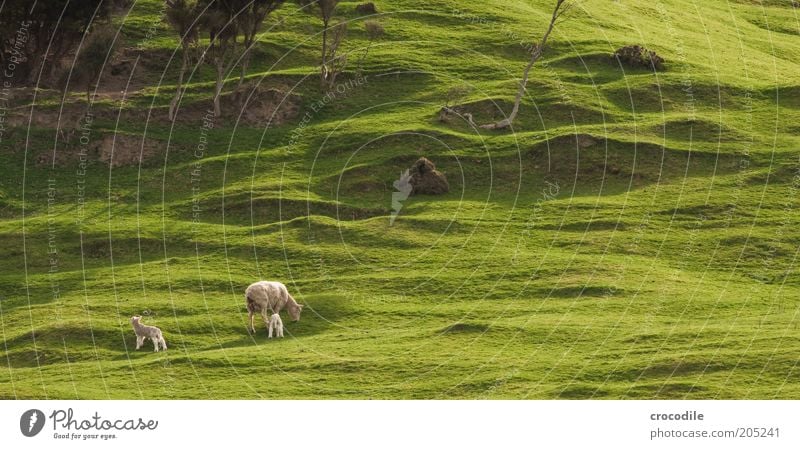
point(92, 57)
point(182, 16)
point(455, 95)
point(224, 21)
point(326, 10)
point(562, 6)
point(250, 16)
point(374, 32)
point(336, 62)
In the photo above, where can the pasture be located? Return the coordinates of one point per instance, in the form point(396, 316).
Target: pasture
point(652, 256)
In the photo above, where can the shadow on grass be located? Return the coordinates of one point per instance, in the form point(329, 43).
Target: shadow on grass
point(594, 291)
point(465, 328)
point(66, 343)
point(320, 314)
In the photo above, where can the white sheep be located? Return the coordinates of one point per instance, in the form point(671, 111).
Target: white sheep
point(270, 296)
point(275, 323)
point(144, 331)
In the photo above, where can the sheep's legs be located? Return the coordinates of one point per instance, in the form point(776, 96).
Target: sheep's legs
point(139, 342)
point(279, 325)
point(252, 317)
point(264, 316)
point(163, 342)
point(155, 342)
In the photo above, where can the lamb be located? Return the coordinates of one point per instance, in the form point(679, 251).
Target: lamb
point(270, 296)
point(275, 323)
point(144, 331)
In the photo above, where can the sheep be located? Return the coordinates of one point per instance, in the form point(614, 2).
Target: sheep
point(275, 323)
point(270, 296)
point(144, 331)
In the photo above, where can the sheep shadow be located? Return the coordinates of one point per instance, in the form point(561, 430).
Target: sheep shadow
point(321, 313)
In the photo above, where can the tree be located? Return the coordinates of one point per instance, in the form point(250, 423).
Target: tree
point(374, 32)
point(183, 17)
point(14, 36)
point(96, 50)
point(562, 6)
point(335, 62)
point(41, 34)
point(224, 21)
point(218, 21)
point(455, 95)
point(326, 10)
point(250, 16)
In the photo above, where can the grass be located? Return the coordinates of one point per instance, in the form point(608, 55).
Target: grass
point(658, 262)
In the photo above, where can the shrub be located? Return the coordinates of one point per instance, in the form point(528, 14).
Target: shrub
point(366, 8)
point(638, 56)
point(374, 29)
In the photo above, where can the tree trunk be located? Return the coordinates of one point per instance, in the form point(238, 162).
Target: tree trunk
point(54, 66)
point(506, 122)
point(324, 69)
point(244, 70)
point(248, 43)
point(363, 58)
point(179, 90)
point(218, 88)
point(535, 55)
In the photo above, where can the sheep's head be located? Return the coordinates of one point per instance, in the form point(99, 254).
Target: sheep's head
point(294, 311)
point(135, 319)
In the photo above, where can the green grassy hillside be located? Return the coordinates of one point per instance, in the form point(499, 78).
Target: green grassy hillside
point(655, 259)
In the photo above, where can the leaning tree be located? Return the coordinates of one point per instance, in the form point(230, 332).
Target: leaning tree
point(561, 7)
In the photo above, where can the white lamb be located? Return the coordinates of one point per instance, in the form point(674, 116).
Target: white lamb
point(144, 331)
point(275, 323)
point(269, 298)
